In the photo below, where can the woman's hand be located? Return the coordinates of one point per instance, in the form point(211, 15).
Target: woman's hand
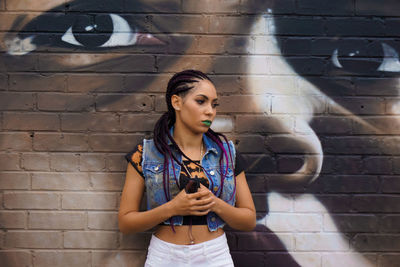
point(198, 204)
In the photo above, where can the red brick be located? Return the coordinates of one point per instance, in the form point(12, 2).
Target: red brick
point(252, 84)
point(35, 162)
point(376, 203)
point(135, 241)
point(96, 122)
point(387, 125)
point(16, 63)
point(15, 142)
point(93, 83)
point(146, 83)
point(124, 102)
point(321, 242)
point(389, 224)
point(60, 142)
point(354, 259)
point(9, 162)
point(33, 239)
point(183, 62)
point(25, 5)
point(65, 102)
point(210, 6)
point(297, 105)
point(239, 65)
point(96, 201)
point(56, 220)
point(38, 82)
point(15, 258)
point(243, 104)
point(224, 45)
point(359, 105)
point(264, 124)
point(12, 219)
point(92, 162)
point(31, 200)
point(390, 184)
point(377, 242)
point(60, 181)
point(378, 165)
point(92, 239)
point(173, 23)
point(16, 101)
point(345, 223)
point(349, 184)
point(115, 163)
point(264, 242)
point(61, 258)
point(237, 25)
point(349, 165)
point(118, 258)
point(3, 81)
point(114, 143)
point(64, 162)
point(106, 62)
point(389, 260)
point(31, 121)
point(107, 181)
point(332, 125)
point(138, 122)
point(14, 180)
point(392, 106)
point(103, 220)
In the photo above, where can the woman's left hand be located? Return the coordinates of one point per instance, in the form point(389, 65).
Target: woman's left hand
point(210, 195)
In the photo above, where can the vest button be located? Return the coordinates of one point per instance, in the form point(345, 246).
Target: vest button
point(215, 188)
point(213, 219)
point(212, 172)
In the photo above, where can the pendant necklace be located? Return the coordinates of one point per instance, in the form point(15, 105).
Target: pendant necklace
point(191, 177)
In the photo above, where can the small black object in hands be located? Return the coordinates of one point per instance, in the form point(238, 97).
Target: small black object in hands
point(192, 186)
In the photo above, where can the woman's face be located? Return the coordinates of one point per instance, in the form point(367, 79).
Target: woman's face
point(197, 109)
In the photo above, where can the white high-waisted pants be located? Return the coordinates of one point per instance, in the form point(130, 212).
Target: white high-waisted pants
point(212, 253)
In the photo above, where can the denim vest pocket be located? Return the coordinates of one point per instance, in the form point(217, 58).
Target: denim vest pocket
point(153, 171)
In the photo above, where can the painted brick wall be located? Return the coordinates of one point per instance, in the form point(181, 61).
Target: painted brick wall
point(309, 92)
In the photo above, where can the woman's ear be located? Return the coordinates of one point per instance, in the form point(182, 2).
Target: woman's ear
point(176, 102)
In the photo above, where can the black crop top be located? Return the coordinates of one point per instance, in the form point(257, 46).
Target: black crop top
point(135, 158)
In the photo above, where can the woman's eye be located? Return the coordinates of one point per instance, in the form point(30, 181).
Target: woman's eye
point(199, 101)
point(355, 62)
point(104, 31)
point(215, 105)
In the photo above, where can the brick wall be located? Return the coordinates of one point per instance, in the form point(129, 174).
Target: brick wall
point(309, 92)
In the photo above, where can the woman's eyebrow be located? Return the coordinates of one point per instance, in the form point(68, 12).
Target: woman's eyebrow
point(206, 97)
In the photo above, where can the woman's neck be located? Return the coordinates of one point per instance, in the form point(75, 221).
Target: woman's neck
point(190, 143)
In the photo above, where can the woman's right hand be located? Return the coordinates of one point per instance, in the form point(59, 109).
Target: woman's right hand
point(191, 204)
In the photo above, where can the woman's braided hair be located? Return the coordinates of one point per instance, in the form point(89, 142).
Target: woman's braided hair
point(180, 84)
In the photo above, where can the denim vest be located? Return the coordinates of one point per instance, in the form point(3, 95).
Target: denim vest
point(153, 167)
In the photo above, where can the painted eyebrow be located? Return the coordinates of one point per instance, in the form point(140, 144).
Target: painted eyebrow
point(206, 97)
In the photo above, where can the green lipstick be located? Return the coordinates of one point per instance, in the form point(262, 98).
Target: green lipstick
point(207, 123)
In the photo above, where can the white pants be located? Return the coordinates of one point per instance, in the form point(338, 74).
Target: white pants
point(211, 253)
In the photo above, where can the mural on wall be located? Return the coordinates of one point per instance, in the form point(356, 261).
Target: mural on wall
point(309, 91)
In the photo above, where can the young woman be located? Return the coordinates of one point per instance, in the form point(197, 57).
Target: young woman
point(193, 178)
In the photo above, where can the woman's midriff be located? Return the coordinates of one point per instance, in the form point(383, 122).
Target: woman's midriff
point(200, 234)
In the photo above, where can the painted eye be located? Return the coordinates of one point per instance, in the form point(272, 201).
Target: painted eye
point(352, 61)
point(105, 31)
point(391, 59)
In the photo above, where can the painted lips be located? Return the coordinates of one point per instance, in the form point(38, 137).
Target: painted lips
point(207, 123)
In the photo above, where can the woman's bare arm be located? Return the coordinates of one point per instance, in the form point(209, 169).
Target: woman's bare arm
point(243, 215)
point(131, 220)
